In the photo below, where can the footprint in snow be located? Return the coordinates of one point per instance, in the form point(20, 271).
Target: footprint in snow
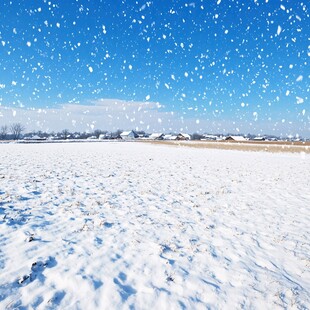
point(98, 242)
point(30, 237)
point(124, 290)
point(108, 225)
point(56, 299)
point(37, 269)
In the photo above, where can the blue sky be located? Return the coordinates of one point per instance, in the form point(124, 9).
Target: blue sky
point(242, 65)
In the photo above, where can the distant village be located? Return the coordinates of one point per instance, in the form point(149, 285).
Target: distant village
point(16, 132)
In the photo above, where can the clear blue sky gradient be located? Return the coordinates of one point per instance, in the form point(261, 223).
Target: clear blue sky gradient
point(245, 61)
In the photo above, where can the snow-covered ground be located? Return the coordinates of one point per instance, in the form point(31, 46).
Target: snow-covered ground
point(140, 226)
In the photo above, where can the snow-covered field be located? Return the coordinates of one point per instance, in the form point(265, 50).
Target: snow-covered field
point(140, 226)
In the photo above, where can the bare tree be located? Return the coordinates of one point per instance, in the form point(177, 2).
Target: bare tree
point(116, 134)
point(65, 134)
point(196, 136)
point(3, 132)
point(99, 132)
point(16, 130)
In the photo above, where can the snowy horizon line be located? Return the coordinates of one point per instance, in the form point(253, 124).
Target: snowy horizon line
point(114, 114)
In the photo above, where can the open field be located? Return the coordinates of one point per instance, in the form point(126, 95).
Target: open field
point(143, 226)
point(251, 146)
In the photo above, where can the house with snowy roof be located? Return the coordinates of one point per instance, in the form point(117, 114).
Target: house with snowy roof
point(183, 136)
point(104, 136)
point(209, 137)
point(170, 137)
point(35, 138)
point(259, 138)
point(236, 138)
point(157, 136)
point(129, 135)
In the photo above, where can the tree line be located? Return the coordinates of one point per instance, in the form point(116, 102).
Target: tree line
point(14, 131)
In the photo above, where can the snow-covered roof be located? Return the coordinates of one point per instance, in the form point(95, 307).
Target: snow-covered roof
point(185, 135)
point(156, 135)
point(170, 137)
point(35, 137)
point(126, 133)
point(210, 136)
point(259, 138)
point(102, 136)
point(236, 138)
point(129, 134)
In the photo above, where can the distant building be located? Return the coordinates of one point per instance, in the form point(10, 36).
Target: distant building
point(129, 135)
point(157, 136)
point(103, 136)
point(35, 138)
point(183, 136)
point(142, 134)
point(236, 138)
point(55, 137)
point(170, 137)
point(209, 137)
point(180, 136)
point(115, 136)
point(259, 139)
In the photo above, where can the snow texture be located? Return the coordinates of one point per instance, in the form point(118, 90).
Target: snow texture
point(139, 226)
